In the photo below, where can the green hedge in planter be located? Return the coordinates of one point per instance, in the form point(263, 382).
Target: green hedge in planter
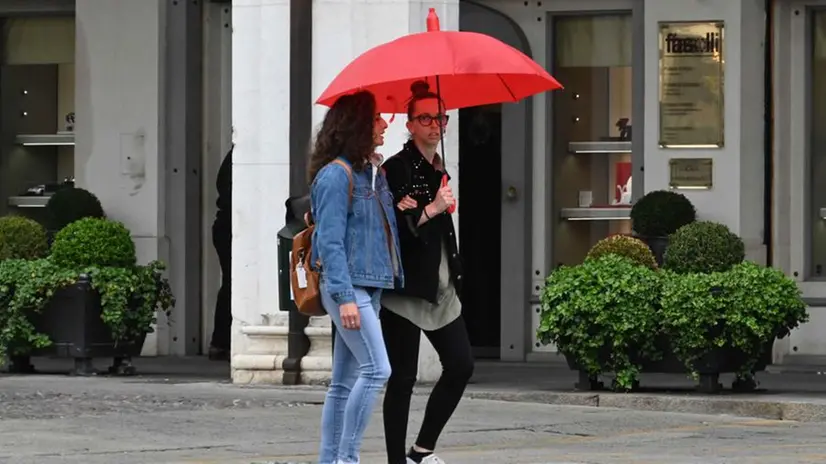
point(660, 213)
point(703, 246)
point(744, 308)
point(94, 242)
point(130, 295)
point(25, 289)
point(22, 238)
point(624, 245)
point(603, 308)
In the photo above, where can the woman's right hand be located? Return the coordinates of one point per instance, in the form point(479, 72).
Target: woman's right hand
point(350, 318)
point(444, 199)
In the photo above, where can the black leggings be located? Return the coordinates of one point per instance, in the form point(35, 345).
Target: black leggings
point(402, 340)
point(222, 241)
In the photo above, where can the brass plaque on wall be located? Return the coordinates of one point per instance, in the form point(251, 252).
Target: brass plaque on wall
point(691, 85)
point(691, 173)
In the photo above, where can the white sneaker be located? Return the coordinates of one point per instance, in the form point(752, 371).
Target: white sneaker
point(432, 459)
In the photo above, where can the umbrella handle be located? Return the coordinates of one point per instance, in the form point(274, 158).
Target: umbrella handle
point(452, 208)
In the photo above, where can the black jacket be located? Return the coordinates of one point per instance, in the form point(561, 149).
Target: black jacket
point(409, 173)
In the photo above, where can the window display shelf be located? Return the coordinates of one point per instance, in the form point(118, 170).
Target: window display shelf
point(617, 213)
point(29, 201)
point(49, 140)
point(600, 147)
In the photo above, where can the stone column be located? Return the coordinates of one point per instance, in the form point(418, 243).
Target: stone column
point(261, 121)
point(119, 102)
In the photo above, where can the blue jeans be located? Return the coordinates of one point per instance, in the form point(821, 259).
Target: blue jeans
point(360, 370)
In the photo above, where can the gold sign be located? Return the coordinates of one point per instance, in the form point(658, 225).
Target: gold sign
point(691, 85)
point(691, 173)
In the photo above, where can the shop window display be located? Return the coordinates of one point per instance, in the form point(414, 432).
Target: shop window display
point(592, 125)
point(37, 91)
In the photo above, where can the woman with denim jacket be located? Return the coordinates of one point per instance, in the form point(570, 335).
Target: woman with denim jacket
point(357, 246)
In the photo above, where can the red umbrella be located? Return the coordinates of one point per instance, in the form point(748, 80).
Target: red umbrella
point(469, 69)
point(472, 69)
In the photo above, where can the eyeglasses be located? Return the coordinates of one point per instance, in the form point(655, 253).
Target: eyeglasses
point(426, 119)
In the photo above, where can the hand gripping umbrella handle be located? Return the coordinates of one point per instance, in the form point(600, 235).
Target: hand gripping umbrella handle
point(452, 208)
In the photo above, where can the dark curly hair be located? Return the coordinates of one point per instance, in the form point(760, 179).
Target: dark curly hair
point(347, 131)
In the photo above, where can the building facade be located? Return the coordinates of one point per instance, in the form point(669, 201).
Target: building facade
point(533, 176)
point(160, 90)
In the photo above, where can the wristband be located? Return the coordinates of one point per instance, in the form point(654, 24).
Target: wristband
point(424, 210)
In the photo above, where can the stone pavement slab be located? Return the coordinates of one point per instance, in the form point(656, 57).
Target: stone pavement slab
point(60, 420)
point(57, 420)
point(782, 395)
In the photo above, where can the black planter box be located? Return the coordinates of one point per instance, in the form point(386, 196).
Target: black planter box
point(709, 367)
point(72, 321)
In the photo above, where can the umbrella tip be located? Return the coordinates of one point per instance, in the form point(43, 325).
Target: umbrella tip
point(432, 21)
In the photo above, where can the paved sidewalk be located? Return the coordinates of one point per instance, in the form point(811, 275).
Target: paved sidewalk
point(781, 395)
point(60, 420)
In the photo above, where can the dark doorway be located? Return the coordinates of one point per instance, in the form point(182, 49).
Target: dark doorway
point(494, 233)
point(480, 217)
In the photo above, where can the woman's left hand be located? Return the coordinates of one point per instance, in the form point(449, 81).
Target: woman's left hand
point(406, 203)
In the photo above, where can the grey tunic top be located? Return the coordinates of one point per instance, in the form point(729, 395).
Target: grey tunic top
point(422, 313)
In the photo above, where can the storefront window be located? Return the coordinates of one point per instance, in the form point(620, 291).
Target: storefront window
point(817, 163)
point(37, 92)
point(592, 127)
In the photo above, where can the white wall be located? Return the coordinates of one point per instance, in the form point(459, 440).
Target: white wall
point(119, 108)
point(737, 196)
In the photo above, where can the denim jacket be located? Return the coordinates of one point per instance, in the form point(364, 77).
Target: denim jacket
point(351, 242)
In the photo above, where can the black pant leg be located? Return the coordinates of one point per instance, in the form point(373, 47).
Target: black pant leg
point(452, 344)
point(401, 337)
point(222, 241)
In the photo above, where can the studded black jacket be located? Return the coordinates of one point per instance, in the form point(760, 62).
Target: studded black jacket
point(409, 173)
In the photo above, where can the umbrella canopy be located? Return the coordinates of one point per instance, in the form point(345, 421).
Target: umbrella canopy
point(467, 68)
point(472, 69)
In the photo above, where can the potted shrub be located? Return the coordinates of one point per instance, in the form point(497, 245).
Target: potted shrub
point(69, 204)
point(22, 238)
point(659, 214)
point(89, 299)
point(627, 246)
point(601, 315)
point(725, 321)
point(703, 246)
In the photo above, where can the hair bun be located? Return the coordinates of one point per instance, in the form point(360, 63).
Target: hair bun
point(419, 88)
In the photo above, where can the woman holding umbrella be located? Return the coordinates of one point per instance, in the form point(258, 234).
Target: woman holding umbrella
point(429, 301)
point(356, 244)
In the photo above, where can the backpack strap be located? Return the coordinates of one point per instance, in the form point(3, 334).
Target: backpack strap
point(349, 172)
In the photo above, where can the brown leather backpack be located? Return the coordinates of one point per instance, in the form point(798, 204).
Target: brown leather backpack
point(304, 280)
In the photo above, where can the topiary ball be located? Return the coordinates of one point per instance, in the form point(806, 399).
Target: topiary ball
point(70, 204)
point(94, 242)
point(626, 246)
point(661, 212)
point(22, 238)
point(703, 247)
